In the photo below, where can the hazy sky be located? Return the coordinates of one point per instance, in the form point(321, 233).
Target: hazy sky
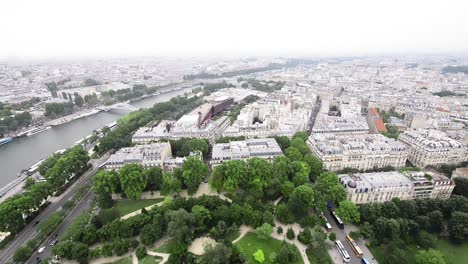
point(57, 28)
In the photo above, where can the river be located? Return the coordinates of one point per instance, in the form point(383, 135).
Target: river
point(23, 152)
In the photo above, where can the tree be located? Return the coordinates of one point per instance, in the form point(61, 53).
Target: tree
point(458, 226)
point(170, 185)
point(430, 256)
point(283, 214)
point(287, 254)
point(290, 234)
point(22, 254)
point(283, 142)
point(279, 230)
point(300, 172)
point(180, 225)
point(305, 236)
point(218, 254)
point(329, 188)
point(235, 175)
point(258, 256)
point(264, 231)
point(332, 236)
point(461, 186)
point(300, 145)
point(155, 178)
point(293, 154)
point(435, 221)
point(202, 216)
point(348, 212)
point(245, 85)
point(258, 173)
point(425, 240)
point(194, 171)
point(301, 200)
point(104, 184)
point(315, 165)
point(287, 188)
point(133, 180)
point(140, 252)
point(79, 101)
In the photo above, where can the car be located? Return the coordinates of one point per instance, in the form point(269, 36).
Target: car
point(36, 223)
point(55, 236)
point(38, 260)
point(41, 249)
point(54, 242)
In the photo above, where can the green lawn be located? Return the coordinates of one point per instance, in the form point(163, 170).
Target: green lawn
point(164, 248)
point(127, 206)
point(127, 260)
point(150, 260)
point(250, 244)
point(453, 253)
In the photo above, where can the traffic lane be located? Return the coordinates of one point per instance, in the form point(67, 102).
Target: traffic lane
point(82, 206)
point(30, 230)
point(341, 235)
point(362, 244)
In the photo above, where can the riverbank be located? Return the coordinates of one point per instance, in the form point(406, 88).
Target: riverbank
point(18, 155)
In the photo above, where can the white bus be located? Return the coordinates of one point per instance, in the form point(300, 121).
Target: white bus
point(344, 254)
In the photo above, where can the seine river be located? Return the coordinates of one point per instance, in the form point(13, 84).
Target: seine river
point(23, 152)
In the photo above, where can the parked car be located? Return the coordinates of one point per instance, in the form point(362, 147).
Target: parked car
point(54, 242)
point(36, 223)
point(41, 249)
point(38, 260)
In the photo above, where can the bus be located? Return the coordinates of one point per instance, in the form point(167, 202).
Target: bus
point(354, 247)
point(344, 254)
point(338, 221)
point(365, 261)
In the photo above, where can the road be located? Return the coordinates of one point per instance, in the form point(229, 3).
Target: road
point(315, 112)
point(82, 206)
point(30, 230)
point(341, 235)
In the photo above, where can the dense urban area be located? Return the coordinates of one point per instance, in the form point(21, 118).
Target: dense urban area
point(253, 160)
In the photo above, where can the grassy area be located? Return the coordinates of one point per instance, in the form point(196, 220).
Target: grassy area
point(453, 253)
point(251, 243)
point(127, 206)
point(127, 260)
point(164, 248)
point(150, 260)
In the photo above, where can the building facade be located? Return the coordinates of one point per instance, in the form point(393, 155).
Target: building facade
point(362, 152)
point(379, 187)
point(431, 147)
point(265, 148)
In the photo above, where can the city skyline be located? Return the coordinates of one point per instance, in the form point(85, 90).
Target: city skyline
point(209, 28)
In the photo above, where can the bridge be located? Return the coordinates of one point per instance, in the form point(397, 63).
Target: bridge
point(124, 105)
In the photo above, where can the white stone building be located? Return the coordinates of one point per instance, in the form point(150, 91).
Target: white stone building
point(265, 148)
point(358, 151)
point(379, 187)
point(432, 147)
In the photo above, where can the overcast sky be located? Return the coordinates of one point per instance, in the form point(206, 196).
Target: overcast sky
point(64, 28)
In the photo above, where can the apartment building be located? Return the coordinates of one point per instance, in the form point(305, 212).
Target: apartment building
point(339, 125)
point(264, 148)
point(151, 155)
point(379, 187)
point(358, 151)
point(432, 147)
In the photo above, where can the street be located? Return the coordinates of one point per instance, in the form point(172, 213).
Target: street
point(83, 205)
point(30, 230)
point(341, 235)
